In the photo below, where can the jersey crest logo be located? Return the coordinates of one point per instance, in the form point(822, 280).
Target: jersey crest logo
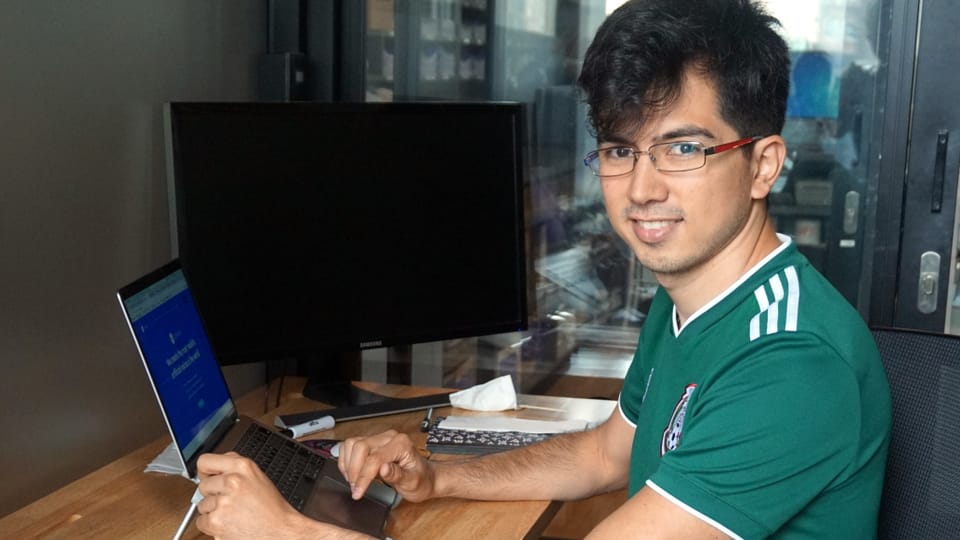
point(674, 429)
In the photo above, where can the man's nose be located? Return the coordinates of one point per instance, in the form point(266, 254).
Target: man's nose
point(646, 182)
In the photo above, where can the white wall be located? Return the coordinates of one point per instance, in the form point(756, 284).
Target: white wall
point(83, 210)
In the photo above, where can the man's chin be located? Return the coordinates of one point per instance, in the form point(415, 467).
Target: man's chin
point(662, 265)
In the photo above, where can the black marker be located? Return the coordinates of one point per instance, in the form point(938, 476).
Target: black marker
point(425, 424)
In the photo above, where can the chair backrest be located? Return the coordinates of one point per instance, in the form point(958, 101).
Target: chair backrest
point(921, 492)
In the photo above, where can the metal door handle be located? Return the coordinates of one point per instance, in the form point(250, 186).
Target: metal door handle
point(928, 282)
point(939, 171)
point(857, 133)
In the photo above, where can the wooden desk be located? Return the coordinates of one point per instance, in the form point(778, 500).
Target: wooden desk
point(121, 501)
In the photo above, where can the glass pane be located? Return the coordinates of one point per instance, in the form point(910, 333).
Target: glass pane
point(588, 290)
point(819, 198)
point(590, 294)
point(429, 49)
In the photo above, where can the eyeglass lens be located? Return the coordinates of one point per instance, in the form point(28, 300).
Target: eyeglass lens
point(666, 157)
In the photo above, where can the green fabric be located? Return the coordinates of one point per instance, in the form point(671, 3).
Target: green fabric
point(787, 420)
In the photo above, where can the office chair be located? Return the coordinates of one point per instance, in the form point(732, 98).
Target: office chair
point(921, 492)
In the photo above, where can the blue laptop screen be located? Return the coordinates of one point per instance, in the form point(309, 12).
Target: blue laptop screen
point(188, 381)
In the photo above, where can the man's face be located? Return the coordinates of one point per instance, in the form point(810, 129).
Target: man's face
point(675, 222)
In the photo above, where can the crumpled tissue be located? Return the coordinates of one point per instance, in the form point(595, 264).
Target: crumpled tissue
point(496, 395)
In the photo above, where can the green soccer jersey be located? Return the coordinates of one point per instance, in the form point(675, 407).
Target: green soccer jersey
point(768, 413)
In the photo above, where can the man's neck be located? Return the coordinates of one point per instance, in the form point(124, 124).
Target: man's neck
point(692, 290)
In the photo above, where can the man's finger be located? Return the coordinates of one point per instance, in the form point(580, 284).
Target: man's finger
point(213, 464)
point(354, 452)
point(395, 455)
point(207, 504)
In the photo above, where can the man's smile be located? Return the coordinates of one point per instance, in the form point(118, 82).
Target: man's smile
point(655, 230)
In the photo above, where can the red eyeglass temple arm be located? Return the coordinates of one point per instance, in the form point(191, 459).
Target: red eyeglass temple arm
point(731, 145)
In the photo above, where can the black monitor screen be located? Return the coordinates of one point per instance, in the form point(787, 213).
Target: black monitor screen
point(310, 227)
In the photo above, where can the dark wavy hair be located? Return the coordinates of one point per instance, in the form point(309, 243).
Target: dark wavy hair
point(635, 65)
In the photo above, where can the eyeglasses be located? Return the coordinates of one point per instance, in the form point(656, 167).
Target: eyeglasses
point(679, 156)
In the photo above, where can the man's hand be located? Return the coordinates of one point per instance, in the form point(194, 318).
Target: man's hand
point(241, 502)
point(394, 458)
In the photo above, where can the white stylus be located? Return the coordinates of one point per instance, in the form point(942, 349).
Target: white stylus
point(197, 497)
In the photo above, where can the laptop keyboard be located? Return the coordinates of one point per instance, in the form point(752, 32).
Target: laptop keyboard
point(290, 466)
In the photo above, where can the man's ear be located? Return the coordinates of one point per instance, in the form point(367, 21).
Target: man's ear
point(768, 156)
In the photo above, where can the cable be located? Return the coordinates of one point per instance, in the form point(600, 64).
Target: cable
point(280, 387)
point(194, 501)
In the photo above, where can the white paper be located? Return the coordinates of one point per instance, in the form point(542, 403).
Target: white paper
point(503, 423)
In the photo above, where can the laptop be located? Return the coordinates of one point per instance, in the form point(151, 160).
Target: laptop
point(202, 417)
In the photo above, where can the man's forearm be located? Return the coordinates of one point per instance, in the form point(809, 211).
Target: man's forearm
point(565, 467)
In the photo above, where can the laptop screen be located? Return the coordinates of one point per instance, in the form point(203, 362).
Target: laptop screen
point(180, 361)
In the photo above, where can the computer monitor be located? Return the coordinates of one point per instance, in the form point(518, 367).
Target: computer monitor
point(315, 230)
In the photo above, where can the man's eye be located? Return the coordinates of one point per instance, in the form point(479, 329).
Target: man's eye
point(617, 152)
point(683, 149)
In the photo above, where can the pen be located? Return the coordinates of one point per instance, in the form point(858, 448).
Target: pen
point(425, 424)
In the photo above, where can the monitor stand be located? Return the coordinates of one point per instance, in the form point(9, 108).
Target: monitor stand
point(330, 379)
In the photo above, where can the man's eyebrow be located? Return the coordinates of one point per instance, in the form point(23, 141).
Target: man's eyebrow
point(685, 131)
point(615, 138)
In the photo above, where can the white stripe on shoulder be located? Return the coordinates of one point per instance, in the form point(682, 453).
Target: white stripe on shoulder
point(793, 299)
point(770, 309)
point(692, 511)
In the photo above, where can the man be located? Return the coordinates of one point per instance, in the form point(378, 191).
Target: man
point(756, 404)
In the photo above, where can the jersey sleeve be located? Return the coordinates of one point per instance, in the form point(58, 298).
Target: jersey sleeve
point(764, 438)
